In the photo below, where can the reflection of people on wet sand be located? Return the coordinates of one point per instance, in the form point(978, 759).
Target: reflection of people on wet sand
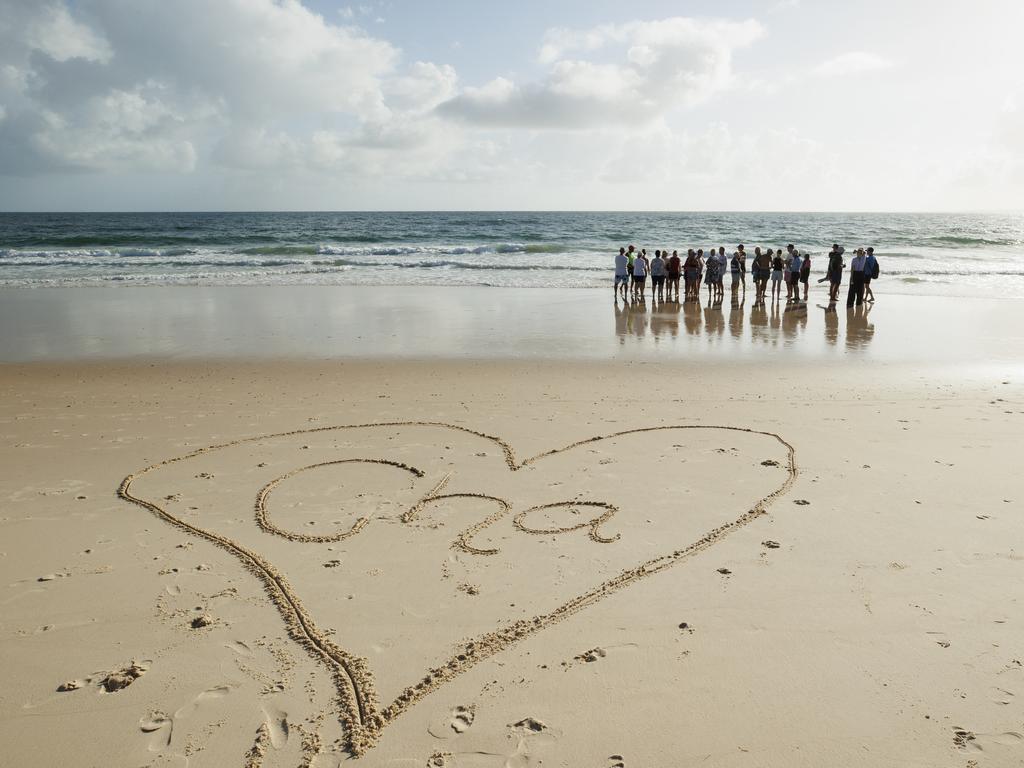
point(665, 316)
point(794, 319)
point(759, 321)
point(621, 320)
point(714, 322)
point(692, 317)
point(636, 318)
point(859, 331)
point(736, 317)
point(831, 323)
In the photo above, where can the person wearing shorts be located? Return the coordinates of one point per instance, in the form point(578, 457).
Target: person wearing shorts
point(674, 267)
point(835, 271)
point(639, 277)
point(658, 277)
point(778, 265)
point(869, 271)
point(621, 273)
point(795, 265)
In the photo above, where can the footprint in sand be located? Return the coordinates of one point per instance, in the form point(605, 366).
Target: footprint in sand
point(616, 761)
point(210, 694)
point(276, 721)
point(454, 723)
point(1001, 696)
point(122, 678)
point(160, 727)
point(239, 647)
point(995, 743)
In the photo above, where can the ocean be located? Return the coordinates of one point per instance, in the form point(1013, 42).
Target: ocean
point(937, 254)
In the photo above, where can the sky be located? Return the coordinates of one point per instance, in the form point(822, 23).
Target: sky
point(779, 105)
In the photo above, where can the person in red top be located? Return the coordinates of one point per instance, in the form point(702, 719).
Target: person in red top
point(674, 270)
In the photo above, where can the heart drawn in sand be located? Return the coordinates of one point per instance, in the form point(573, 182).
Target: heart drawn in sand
point(634, 491)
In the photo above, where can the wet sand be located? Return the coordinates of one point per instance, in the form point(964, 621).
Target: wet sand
point(346, 322)
point(801, 552)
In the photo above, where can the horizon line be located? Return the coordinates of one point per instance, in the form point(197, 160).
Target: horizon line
point(40, 211)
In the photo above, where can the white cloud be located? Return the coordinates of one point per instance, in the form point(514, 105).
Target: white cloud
point(852, 63)
point(648, 68)
point(146, 82)
point(61, 37)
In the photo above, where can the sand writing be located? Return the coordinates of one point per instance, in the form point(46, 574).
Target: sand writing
point(360, 712)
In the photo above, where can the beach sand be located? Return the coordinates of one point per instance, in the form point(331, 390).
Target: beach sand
point(804, 559)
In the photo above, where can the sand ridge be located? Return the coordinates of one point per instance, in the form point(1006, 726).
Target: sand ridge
point(359, 711)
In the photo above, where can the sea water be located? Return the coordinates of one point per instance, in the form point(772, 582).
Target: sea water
point(938, 254)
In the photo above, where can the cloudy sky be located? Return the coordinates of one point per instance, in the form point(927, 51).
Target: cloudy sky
point(466, 104)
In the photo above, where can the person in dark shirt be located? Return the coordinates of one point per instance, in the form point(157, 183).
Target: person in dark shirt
point(674, 270)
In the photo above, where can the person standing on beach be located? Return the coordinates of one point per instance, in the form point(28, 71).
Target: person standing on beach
point(791, 273)
point(755, 269)
point(870, 273)
point(763, 260)
point(690, 270)
point(700, 273)
point(787, 274)
point(631, 254)
point(856, 291)
point(712, 276)
point(795, 266)
point(835, 271)
point(639, 276)
point(743, 266)
point(723, 267)
point(658, 277)
point(778, 265)
point(736, 270)
point(674, 268)
point(805, 274)
point(621, 273)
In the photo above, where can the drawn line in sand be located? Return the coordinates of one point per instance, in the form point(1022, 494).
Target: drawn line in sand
point(360, 714)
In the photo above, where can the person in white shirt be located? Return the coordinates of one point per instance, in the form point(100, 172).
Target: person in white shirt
point(621, 273)
point(723, 267)
point(639, 275)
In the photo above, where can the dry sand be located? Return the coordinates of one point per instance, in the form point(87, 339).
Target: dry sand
point(793, 565)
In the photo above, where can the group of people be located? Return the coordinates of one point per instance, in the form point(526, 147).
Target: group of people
point(777, 266)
